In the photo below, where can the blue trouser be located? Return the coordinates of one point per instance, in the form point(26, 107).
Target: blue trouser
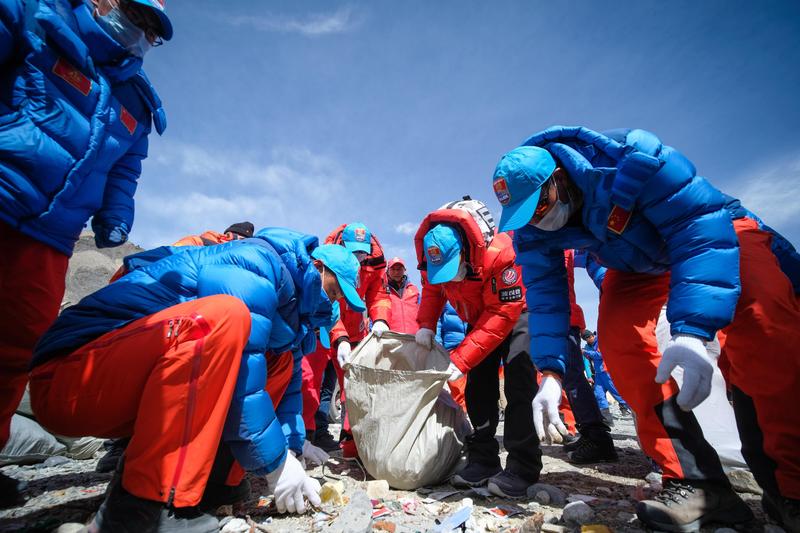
point(325, 395)
point(588, 418)
point(603, 384)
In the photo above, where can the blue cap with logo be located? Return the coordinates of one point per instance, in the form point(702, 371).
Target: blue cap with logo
point(158, 9)
point(346, 268)
point(442, 246)
point(357, 237)
point(517, 183)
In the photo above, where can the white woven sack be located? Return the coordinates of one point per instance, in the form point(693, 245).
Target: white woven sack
point(407, 428)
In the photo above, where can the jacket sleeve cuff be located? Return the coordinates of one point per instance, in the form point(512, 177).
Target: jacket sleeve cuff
point(551, 363)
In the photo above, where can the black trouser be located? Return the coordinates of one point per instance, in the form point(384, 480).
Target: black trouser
point(482, 395)
point(325, 397)
point(580, 394)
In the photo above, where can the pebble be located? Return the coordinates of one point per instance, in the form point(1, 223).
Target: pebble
point(604, 491)
point(356, 517)
point(772, 528)
point(577, 512)
point(70, 527)
point(553, 528)
point(654, 480)
point(556, 496)
point(626, 517)
point(378, 489)
point(743, 481)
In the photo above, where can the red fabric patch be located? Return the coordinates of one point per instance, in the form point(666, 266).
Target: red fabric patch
point(127, 120)
point(618, 220)
point(73, 76)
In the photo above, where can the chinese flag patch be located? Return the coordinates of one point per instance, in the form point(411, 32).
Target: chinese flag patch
point(73, 76)
point(127, 119)
point(618, 220)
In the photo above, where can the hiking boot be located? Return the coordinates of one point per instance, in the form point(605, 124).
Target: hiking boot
point(570, 441)
point(684, 506)
point(217, 495)
point(108, 463)
point(785, 511)
point(474, 475)
point(10, 492)
point(123, 512)
point(625, 411)
point(323, 439)
point(508, 485)
point(588, 451)
point(186, 520)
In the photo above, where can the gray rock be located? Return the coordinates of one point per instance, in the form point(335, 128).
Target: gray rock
point(70, 527)
point(356, 517)
point(603, 491)
point(578, 513)
point(772, 528)
point(626, 517)
point(743, 481)
point(557, 497)
point(56, 460)
point(553, 528)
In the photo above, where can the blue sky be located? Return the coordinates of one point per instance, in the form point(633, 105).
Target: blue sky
point(311, 114)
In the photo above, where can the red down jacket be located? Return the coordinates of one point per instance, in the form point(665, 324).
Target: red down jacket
point(490, 299)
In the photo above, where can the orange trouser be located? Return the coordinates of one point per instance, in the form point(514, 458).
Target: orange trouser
point(166, 380)
point(760, 347)
point(31, 289)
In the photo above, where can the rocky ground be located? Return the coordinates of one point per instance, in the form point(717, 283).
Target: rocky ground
point(63, 490)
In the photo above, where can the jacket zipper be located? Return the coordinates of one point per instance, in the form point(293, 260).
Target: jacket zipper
point(205, 329)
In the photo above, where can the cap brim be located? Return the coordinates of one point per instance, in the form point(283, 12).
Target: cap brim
point(351, 295)
point(516, 215)
point(358, 246)
point(166, 25)
point(445, 272)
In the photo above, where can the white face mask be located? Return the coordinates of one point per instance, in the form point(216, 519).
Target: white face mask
point(462, 272)
point(125, 32)
point(556, 218)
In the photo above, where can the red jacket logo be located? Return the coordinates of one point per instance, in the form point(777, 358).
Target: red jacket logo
point(501, 191)
point(73, 76)
point(127, 120)
point(510, 276)
point(618, 220)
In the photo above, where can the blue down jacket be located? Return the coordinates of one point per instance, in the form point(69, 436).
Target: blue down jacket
point(450, 330)
point(644, 210)
point(273, 275)
point(75, 112)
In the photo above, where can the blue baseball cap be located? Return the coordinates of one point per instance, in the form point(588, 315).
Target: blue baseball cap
point(442, 246)
point(346, 268)
point(357, 237)
point(158, 8)
point(517, 183)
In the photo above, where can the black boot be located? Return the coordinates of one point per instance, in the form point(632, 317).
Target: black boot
point(785, 511)
point(115, 449)
point(591, 450)
point(217, 495)
point(474, 475)
point(10, 493)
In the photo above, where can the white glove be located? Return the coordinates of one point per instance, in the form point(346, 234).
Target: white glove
point(424, 337)
point(455, 373)
point(688, 352)
point(314, 455)
point(343, 353)
point(545, 410)
point(379, 327)
point(289, 483)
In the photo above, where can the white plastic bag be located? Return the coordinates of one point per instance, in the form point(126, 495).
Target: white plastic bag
point(407, 428)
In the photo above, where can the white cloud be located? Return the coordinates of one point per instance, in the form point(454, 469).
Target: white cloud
point(771, 193)
point(340, 21)
point(187, 189)
point(406, 228)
